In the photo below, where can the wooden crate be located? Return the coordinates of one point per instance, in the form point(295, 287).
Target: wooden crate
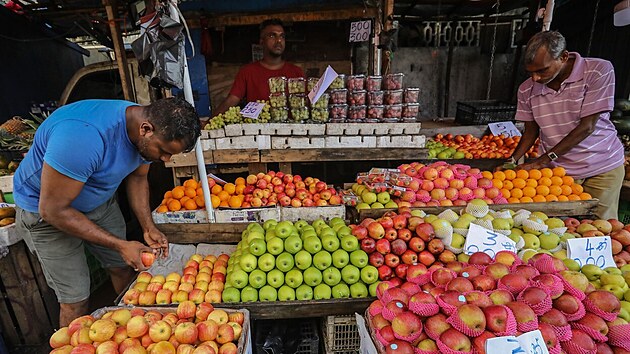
point(30, 312)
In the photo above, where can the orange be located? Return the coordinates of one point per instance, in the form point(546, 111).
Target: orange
point(545, 181)
point(178, 192)
point(168, 195)
point(542, 190)
point(215, 201)
point(199, 191)
point(563, 198)
point(555, 190)
point(174, 205)
point(556, 181)
point(559, 171)
point(516, 193)
point(183, 200)
point(506, 193)
point(546, 172)
point(497, 183)
point(535, 174)
point(568, 180)
point(573, 197)
point(190, 205)
point(513, 200)
point(240, 188)
point(527, 200)
point(531, 183)
point(190, 192)
point(566, 190)
point(216, 189)
point(230, 188)
point(223, 195)
point(240, 181)
point(191, 183)
point(519, 183)
point(500, 175)
point(577, 189)
point(539, 199)
point(510, 174)
point(235, 202)
point(199, 201)
point(551, 198)
point(486, 174)
point(529, 191)
point(523, 174)
point(585, 196)
point(224, 204)
point(162, 209)
point(508, 185)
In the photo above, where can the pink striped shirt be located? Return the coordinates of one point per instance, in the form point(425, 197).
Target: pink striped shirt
point(588, 90)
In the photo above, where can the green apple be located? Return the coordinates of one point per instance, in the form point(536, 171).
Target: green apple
point(312, 276)
point(266, 262)
point(284, 261)
point(249, 294)
point(377, 205)
point(592, 271)
point(257, 279)
point(248, 262)
point(369, 197)
point(359, 258)
point(549, 240)
point(344, 231)
point(275, 278)
point(458, 241)
point(284, 229)
point(531, 241)
point(318, 223)
point(372, 288)
point(293, 244)
point(255, 235)
point(322, 260)
point(330, 243)
point(312, 244)
point(300, 224)
point(303, 259)
point(304, 292)
point(340, 291)
point(624, 314)
point(625, 305)
point(383, 197)
point(239, 279)
point(275, 246)
point(327, 231)
point(358, 290)
point(336, 221)
point(337, 227)
point(254, 226)
point(349, 243)
point(267, 293)
point(271, 233)
point(331, 276)
point(362, 206)
point(417, 212)
point(465, 216)
point(231, 295)
point(340, 258)
point(293, 278)
point(391, 205)
point(322, 292)
point(369, 274)
point(309, 233)
point(258, 247)
point(625, 268)
point(270, 224)
point(350, 274)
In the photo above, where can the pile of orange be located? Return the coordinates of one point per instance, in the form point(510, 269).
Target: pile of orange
point(544, 185)
point(487, 147)
point(189, 196)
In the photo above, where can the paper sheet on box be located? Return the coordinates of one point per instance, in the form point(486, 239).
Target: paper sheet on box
point(367, 347)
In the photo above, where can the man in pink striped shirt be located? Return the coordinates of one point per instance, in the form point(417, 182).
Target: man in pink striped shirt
point(567, 103)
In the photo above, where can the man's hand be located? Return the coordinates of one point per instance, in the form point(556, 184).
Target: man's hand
point(156, 240)
point(131, 252)
point(536, 164)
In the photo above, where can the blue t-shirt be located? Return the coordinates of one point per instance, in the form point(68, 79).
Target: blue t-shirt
point(86, 141)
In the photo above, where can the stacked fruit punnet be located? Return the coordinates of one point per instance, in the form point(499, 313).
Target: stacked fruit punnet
point(285, 261)
point(233, 116)
point(455, 308)
point(201, 329)
point(488, 147)
point(202, 279)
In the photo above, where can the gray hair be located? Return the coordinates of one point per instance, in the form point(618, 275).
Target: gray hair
point(553, 41)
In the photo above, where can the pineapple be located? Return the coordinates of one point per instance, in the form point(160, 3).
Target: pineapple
point(14, 126)
point(18, 133)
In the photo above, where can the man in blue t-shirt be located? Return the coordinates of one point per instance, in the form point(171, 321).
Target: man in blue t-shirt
point(65, 189)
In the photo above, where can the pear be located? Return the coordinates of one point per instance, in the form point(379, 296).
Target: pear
point(592, 271)
point(571, 264)
point(612, 279)
point(540, 215)
point(549, 240)
point(554, 223)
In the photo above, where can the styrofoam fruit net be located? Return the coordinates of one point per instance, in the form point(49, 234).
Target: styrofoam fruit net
point(462, 232)
point(420, 279)
point(454, 250)
point(590, 306)
point(409, 338)
point(423, 198)
point(501, 214)
point(557, 248)
point(448, 215)
point(534, 225)
point(527, 326)
point(389, 296)
point(503, 232)
point(577, 293)
point(476, 210)
point(417, 350)
point(557, 349)
point(563, 333)
point(618, 336)
point(424, 310)
point(596, 335)
point(572, 348)
point(389, 314)
point(559, 230)
point(483, 223)
point(519, 217)
point(500, 200)
point(544, 264)
point(380, 338)
point(459, 325)
point(520, 243)
point(555, 289)
point(444, 349)
point(510, 325)
point(443, 232)
point(453, 273)
point(577, 315)
point(539, 308)
point(447, 240)
point(514, 291)
point(445, 307)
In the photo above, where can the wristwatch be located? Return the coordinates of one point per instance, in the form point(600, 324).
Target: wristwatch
point(552, 156)
point(512, 160)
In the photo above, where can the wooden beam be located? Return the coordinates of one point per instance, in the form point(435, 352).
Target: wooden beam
point(203, 233)
point(359, 154)
point(119, 48)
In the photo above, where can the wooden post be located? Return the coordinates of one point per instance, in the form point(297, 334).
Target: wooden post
point(388, 12)
point(119, 48)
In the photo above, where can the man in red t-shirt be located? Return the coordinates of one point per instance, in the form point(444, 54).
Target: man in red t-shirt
point(251, 82)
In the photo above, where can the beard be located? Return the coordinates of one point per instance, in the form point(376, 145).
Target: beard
point(143, 150)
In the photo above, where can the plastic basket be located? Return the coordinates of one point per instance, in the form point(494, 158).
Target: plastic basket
point(308, 332)
point(624, 212)
point(98, 275)
point(341, 335)
point(483, 112)
point(310, 339)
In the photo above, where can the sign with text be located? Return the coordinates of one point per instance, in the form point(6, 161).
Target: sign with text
point(252, 110)
point(527, 343)
point(480, 239)
point(322, 84)
point(505, 128)
point(591, 250)
point(360, 31)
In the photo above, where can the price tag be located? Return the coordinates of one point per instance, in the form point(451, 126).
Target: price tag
point(480, 239)
point(527, 343)
point(252, 110)
point(360, 31)
point(505, 128)
point(591, 250)
point(322, 84)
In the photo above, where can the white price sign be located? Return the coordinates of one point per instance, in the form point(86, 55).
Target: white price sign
point(252, 110)
point(322, 84)
point(591, 250)
point(360, 31)
point(527, 343)
point(505, 128)
point(480, 239)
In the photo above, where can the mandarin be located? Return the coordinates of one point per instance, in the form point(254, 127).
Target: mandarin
point(539, 199)
point(527, 200)
point(178, 192)
point(174, 205)
point(200, 201)
point(585, 196)
point(513, 200)
point(190, 192)
point(563, 198)
point(162, 209)
point(190, 205)
point(532, 183)
point(500, 175)
point(555, 190)
point(519, 183)
point(535, 174)
point(240, 181)
point(510, 174)
point(235, 202)
point(522, 174)
point(529, 191)
point(191, 183)
point(559, 171)
point(542, 190)
point(215, 201)
point(577, 189)
point(551, 198)
point(216, 189)
point(497, 183)
point(568, 180)
point(230, 188)
point(508, 185)
point(556, 181)
point(486, 174)
point(516, 193)
point(168, 195)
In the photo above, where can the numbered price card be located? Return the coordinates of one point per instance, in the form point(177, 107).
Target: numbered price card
point(360, 31)
point(480, 239)
point(505, 128)
point(527, 343)
point(591, 250)
point(252, 110)
point(322, 84)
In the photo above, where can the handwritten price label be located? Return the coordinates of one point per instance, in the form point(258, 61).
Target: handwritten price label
point(322, 84)
point(505, 128)
point(527, 343)
point(360, 31)
point(591, 250)
point(252, 110)
point(480, 239)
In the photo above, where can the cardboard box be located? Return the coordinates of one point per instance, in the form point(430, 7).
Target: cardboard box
point(313, 213)
point(220, 215)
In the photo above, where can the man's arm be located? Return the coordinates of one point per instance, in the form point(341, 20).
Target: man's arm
point(530, 134)
point(57, 194)
point(137, 188)
point(229, 101)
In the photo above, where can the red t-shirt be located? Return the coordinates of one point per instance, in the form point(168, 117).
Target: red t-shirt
point(252, 80)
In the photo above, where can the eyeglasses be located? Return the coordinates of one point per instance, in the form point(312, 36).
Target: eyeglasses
point(274, 36)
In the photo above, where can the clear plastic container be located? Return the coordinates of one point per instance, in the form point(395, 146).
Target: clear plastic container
point(410, 110)
point(357, 98)
point(311, 82)
point(339, 96)
point(375, 112)
point(355, 82)
point(319, 115)
point(338, 112)
point(393, 97)
point(279, 114)
point(297, 100)
point(277, 84)
point(278, 99)
point(299, 114)
point(393, 111)
point(296, 85)
point(393, 81)
point(339, 82)
point(373, 83)
point(356, 113)
point(375, 97)
point(322, 102)
point(411, 95)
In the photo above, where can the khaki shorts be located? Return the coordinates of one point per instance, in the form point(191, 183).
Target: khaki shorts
point(63, 256)
point(607, 188)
